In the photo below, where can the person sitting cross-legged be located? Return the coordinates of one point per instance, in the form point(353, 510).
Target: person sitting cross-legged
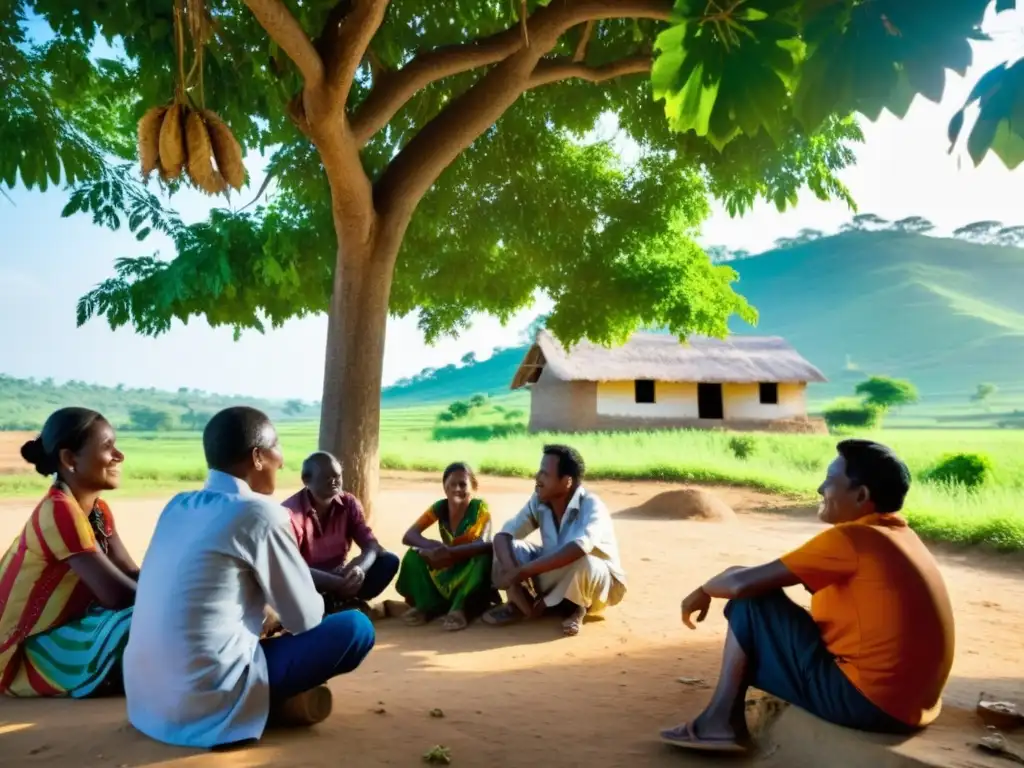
point(576, 567)
point(327, 521)
point(196, 671)
point(451, 576)
point(876, 648)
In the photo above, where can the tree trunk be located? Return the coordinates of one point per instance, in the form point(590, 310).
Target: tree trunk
point(356, 330)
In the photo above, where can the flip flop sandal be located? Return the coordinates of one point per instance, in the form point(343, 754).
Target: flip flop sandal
point(454, 623)
point(684, 737)
point(503, 615)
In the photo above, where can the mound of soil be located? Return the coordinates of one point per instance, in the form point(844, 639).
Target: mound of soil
point(687, 504)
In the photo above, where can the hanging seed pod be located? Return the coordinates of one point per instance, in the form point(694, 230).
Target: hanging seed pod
point(172, 143)
point(226, 150)
point(149, 139)
point(200, 156)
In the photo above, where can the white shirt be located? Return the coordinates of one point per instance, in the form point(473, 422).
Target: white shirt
point(586, 523)
point(194, 672)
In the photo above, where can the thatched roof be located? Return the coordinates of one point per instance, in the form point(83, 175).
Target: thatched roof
point(661, 357)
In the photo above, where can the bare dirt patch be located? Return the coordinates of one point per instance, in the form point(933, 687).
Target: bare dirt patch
point(524, 696)
point(697, 504)
point(10, 452)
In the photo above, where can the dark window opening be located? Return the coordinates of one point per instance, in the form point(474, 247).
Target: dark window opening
point(643, 391)
point(709, 401)
point(769, 394)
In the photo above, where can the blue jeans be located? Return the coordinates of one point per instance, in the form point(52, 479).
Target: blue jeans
point(336, 646)
point(788, 659)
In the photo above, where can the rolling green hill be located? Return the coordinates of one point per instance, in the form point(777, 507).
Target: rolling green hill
point(944, 313)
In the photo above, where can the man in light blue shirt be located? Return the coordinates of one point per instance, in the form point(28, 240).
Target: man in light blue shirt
point(196, 672)
point(576, 567)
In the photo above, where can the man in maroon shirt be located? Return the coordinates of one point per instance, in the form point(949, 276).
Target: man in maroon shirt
point(327, 521)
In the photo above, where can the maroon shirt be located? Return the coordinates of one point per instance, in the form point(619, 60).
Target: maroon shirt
point(324, 543)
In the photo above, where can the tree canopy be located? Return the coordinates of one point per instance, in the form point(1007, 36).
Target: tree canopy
point(884, 393)
point(447, 158)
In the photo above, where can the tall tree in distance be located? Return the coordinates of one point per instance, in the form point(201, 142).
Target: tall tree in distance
point(913, 224)
point(441, 157)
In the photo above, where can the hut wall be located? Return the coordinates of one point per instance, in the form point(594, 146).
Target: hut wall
point(563, 406)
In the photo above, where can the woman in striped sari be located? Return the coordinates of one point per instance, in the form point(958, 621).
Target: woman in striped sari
point(67, 583)
point(451, 576)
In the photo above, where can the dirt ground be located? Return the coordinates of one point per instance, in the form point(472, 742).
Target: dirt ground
point(525, 696)
point(10, 451)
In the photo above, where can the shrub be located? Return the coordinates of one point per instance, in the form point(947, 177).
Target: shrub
point(446, 417)
point(477, 400)
point(743, 446)
point(970, 470)
point(846, 414)
point(459, 409)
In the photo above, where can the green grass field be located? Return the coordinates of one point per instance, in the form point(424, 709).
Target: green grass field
point(494, 440)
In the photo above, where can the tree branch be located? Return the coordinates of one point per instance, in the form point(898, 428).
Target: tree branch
point(285, 30)
point(396, 88)
point(584, 41)
point(345, 39)
point(553, 70)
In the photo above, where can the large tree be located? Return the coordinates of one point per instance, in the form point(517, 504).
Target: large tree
point(441, 157)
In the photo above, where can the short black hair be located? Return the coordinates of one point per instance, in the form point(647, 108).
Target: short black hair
point(314, 459)
point(570, 463)
point(878, 469)
point(65, 429)
point(232, 434)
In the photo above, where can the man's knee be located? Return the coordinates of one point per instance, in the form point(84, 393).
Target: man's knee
point(352, 629)
point(388, 563)
point(769, 601)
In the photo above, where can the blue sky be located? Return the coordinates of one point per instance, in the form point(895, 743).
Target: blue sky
point(47, 262)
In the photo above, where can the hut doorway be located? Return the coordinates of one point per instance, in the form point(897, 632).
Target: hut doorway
point(709, 402)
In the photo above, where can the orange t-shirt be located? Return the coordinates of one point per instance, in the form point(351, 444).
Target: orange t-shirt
point(883, 611)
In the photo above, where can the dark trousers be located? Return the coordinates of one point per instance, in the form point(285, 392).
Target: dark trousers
point(337, 645)
point(788, 658)
point(381, 573)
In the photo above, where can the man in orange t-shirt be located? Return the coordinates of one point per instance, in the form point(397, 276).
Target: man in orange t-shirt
point(875, 651)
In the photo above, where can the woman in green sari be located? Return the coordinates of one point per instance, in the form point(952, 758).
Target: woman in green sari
point(451, 576)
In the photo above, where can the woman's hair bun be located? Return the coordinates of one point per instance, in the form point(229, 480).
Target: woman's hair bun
point(35, 454)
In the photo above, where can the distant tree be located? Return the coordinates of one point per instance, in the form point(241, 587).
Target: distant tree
point(469, 358)
point(294, 407)
point(884, 393)
point(459, 409)
point(477, 401)
point(984, 393)
point(120, 387)
point(740, 253)
point(979, 231)
point(915, 224)
point(865, 222)
point(808, 235)
point(196, 420)
point(1011, 236)
point(147, 419)
point(785, 242)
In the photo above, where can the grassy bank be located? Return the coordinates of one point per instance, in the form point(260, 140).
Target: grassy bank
point(494, 440)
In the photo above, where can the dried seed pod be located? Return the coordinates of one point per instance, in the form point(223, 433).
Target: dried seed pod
point(172, 143)
point(200, 156)
point(149, 139)
point(226, 150)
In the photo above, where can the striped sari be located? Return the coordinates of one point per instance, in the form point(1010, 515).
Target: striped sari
point(53, 640)
point(463, 586)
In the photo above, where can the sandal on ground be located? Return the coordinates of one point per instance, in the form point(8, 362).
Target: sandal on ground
point(684, 737)
point(415, 618)
point(454, 621)
point(503, 615)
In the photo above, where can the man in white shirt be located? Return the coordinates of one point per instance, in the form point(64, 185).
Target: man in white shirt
point(196, 672)
point(576, 566)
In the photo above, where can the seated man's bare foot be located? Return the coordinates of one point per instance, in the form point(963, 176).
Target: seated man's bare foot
point(700, 736)
point(572, 623)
